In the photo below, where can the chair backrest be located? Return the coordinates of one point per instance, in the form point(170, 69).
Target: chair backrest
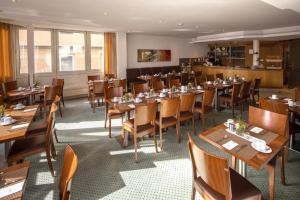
point(10, 85)
point(111, 92)
point(297, 94)
point(140, 87)
point(49, 131)
point(174, 82)
point(212, 170)
point(1, 100)
point(245, 90)
point(184, 78)
point(145, 113)
point(68, 170)
point(198, 73)
point(220, 76)
point(257, 82)
point(210, 77)
point(236, 88)
point(265, 104)
point(154, 79)
point(98, 86)
point(121, 83)
point(93, 77)
point(51, 92)
point(158, 85)
point(187, 102)
point(60, 83)
point(268, 120)
point(208, 97)
point(169, 107)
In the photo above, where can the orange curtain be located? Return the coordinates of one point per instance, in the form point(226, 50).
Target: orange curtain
point(110, 57)
point(6, 71)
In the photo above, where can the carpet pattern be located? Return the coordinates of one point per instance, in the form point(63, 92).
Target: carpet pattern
point(107, 171)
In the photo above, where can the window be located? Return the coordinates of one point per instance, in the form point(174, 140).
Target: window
point(23, 51)
point(71, 51)
point(97, 51)
point(42, 51)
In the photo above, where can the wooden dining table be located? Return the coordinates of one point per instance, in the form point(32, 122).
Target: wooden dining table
point(12, 176)
point(26, 92)
point(18, 129)
point(245, 153)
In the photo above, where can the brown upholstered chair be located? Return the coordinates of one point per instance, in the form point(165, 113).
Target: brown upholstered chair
point(98, 92)
point(210, 77)
point(140, 87)
point(168, 116)
point(61, 84)
point(214, 179)
point(142, 124)
point(231, 99)
point(158, 86)
point(12, 85)
point(93, 77)
point(245, 93)
point(220, 76)
point(174, 82)
point(68, 170)
point(153, 80)
point(274, 122)
point(184, 78)
point(255, 90)
point(187, 105)
point(28, 146)
point(110, 112)
point(205, 105)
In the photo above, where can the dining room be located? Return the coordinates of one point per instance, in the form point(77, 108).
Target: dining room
point(149, 99)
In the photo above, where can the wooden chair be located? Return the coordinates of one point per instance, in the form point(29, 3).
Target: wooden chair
point(214, 179)
point(198, 73)
point(220, 76)
point(140, 87)
point(174, 82)
point(169, 116)
point(265, 104)
point(169, 77)
point(255, 90)
point(60, 83)
point(245, 93)
point(205, 105)
point(1, 100)
point(153, 80)
point(142, 124)
point(158, 86)
point(187, 105)
point(98, 92)
point(121, 83)
point(93, 77)
point(68, 170)
point(210, 77)
point(29, 146)
point(12, 85)
point(231, 99)
point(49, 96)
point(184, 78)
point(297, 94)
point(110, 112)
point(274, 122)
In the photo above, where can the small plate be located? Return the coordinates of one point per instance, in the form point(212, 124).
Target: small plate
point(19, 108)
point(274, 98)
point(12, 122)
point(114, 100)
point(267, 150)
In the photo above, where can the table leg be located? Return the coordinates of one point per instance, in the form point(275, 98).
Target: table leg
point(7, 146)
point(271, 170)
point(292, 121)
point(242, 168)
point(216, 100)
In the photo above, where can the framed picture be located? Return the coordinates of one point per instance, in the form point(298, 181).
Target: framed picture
point(153, 55)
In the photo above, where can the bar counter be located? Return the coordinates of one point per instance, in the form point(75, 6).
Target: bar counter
point(270, 78)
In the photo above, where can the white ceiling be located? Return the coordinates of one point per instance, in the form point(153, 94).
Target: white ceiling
point(159, 17)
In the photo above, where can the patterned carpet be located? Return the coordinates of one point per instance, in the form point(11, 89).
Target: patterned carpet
point(107, 171)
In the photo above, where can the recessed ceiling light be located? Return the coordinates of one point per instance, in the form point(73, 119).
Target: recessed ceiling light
point(161, 21)
point(197, 26)
point(14, 1)
point(180, 24)
point(105, 13)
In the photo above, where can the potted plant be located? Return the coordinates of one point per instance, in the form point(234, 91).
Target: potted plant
point(2, 109)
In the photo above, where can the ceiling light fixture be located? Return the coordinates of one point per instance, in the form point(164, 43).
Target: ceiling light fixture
point(197, 26)
point(105, 13)
point(180, 24)
point(14, 1)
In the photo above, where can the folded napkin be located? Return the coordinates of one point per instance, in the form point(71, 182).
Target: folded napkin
point(256, 130)
point(230, 145)
point(30, 109)
point(20, 126)
point(131, 106)
point(13, 188)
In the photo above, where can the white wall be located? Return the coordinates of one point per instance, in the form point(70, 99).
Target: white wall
point(180, 48)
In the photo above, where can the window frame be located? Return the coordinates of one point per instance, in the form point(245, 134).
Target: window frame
point(90, 53)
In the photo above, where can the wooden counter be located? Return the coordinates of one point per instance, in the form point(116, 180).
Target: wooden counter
point(269, 78)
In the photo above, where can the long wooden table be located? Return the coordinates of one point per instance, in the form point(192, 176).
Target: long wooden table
point(12, 175)
point(258, 161)
point(26, 93)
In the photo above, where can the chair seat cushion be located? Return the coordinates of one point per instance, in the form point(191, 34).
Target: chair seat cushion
point(167, 121)
point(130, 125)
point(114, 112)
point(241, 188)
point(26, 147)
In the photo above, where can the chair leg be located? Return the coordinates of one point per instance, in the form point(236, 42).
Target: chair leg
point(282, 166)
point(50, 163)
point(154, 138)
point(109, 127)
point(53, 151)
point(193, 193)
point(202, 121)
point(55, 135)
point(94, 106)
point(193, 124)
point(106, 109)
point(178, 131)
point(233, 162)
point(123, 137)
point(161, 138)
point(59, 104)
point(135, 148)
point(62, 98)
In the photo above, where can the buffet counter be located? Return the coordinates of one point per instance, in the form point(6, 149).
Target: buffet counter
point(270, 78)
